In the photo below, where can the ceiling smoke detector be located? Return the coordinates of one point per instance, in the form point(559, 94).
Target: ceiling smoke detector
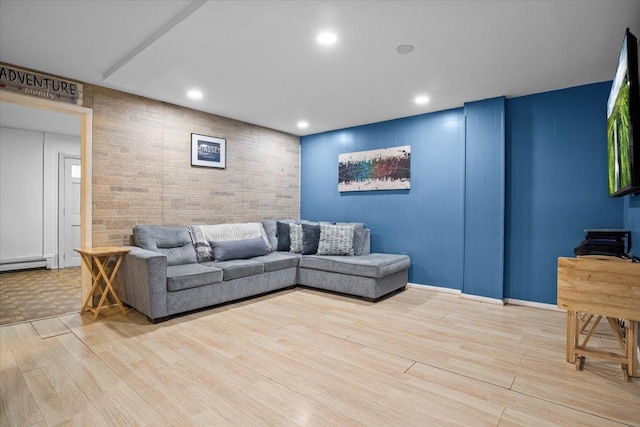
point(404, 48)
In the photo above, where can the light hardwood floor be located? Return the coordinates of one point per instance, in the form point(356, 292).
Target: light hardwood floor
point(307, 358)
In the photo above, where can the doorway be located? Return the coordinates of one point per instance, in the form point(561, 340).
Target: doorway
point(84, 202)
point(69, 224)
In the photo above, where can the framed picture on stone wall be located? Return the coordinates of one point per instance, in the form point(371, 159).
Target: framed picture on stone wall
point(208, 151)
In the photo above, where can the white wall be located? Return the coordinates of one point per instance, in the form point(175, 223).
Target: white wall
point(29, 193)
point(21, 195)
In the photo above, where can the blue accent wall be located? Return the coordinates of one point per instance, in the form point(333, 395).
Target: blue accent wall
point(553, 165)
point(556, 184)
point(425, 222)
point(484, 198)
point(631, 221)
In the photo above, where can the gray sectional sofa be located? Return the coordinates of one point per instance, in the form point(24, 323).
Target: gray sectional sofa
point(173, 270)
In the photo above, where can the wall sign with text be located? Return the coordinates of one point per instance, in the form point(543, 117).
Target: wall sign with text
point(39, 85)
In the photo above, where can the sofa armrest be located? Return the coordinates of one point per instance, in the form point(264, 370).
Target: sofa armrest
point(143, 282)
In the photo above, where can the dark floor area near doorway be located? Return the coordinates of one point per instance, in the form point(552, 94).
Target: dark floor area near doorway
point(35, 294)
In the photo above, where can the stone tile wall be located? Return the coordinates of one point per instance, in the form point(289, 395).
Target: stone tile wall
point(142, 171)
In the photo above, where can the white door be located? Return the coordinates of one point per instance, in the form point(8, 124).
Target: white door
point(70, 233)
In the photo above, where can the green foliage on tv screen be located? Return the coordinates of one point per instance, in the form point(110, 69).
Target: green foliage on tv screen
point(618, 131)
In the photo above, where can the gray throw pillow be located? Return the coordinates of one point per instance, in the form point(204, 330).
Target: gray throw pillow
point(239, 249)
point(310, 239)
point(282, 233)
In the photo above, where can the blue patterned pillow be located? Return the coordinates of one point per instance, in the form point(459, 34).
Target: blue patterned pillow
point(335, 239)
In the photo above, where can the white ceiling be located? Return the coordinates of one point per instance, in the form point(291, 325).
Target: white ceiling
point(26, 118)
point(258, 61)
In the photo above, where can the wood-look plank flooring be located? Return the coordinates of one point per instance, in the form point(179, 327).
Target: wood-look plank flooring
point(308, 358)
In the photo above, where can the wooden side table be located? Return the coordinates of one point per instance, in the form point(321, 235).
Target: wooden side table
point(600, 287)
point(101, 256)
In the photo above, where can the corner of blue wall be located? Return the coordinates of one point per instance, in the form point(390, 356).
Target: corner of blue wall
point(484, 192)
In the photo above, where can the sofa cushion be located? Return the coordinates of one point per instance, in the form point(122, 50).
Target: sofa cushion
point(335, 239)
point(310, 239)
point(180, 277)
point(174, 242)
point(277, 261)
point(203, 234)
point(372, 265)
point(295, 236)
point(237, 268)
point(239, 249)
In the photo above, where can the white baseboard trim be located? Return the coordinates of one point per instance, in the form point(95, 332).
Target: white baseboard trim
point(22, 265)
point(533, 304)
point(496, 301)
point(479, 298)
point(457, 292)
point(435, 288)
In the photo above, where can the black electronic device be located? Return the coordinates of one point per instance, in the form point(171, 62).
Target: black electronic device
point(605, 242)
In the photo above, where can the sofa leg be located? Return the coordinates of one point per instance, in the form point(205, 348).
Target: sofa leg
point(158, 320)
point(383, 297)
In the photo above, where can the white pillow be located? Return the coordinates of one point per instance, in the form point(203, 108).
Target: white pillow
point(295, 235)
point(336, 239)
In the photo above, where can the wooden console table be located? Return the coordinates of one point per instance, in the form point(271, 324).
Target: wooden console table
point(595, 287)
point(101, 256)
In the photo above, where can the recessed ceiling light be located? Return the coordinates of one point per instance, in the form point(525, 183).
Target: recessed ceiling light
point(194, 94)
point(327, 38)
point(421, 100)
point(303, 125)
point(404, 48)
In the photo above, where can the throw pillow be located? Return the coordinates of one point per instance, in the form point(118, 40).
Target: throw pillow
point(295, 235)
point(358, 236)
point(282, 233)
point(335, 240)
point(239, 249)
point(310, 239)
point(203, 234)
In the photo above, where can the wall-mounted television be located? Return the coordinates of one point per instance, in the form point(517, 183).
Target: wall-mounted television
point(623, 122)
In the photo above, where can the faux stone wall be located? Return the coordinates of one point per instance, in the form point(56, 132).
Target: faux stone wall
point(142, 171)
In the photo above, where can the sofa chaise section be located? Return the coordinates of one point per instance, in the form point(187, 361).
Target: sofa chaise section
point(369, 276)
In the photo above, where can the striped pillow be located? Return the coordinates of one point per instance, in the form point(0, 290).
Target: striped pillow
point(335, 239)
point(295, 234)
